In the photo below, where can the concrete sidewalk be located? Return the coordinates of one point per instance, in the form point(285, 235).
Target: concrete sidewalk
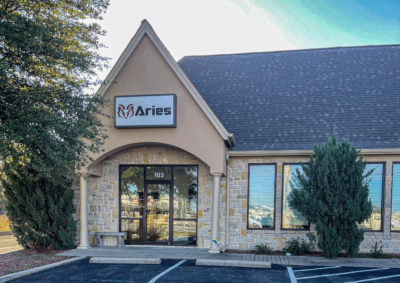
point(197, 253)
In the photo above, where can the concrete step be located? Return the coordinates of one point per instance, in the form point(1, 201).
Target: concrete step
point(124, 260)
point(233, 263)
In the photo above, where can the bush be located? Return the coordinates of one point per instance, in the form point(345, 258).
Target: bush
point(376, 251)
point(333, 193)
point(296, 246)
point(40, 212)
point(263, 249)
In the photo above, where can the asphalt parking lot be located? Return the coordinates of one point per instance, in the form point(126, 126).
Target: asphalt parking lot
point(187, 271)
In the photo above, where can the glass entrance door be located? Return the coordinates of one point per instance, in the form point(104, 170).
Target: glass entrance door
point(157, 214)
point(158, 204)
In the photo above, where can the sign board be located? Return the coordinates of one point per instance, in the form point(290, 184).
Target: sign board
point(145, 111)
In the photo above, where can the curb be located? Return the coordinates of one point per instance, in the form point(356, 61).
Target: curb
point(6, 233)
point(122, 260)
point(31, 271)
point(233, 263)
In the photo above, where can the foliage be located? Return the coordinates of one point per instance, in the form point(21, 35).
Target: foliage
point(333, 193)
point(2, 199)
point(154, 233)
point(48, 62)
point(311, 240)
point(263, 249)
point(4, 223)
point(39, 210)
point(297, 246)
point(376, 251)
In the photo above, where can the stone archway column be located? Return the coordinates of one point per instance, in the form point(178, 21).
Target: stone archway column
point(215, 214)
point(84, 243)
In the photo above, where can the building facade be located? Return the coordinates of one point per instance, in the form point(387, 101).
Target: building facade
point(205, 148)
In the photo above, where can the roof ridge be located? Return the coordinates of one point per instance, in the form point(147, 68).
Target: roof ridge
point(294, 50)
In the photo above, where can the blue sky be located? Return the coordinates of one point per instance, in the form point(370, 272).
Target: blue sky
point(203, 27)
point(329, 23)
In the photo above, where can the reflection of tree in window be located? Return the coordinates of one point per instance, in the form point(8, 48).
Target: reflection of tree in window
point(375, 193)
point(291, 218)
point(185, 192)
point(132, 187)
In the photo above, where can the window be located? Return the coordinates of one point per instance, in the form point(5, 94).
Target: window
point(395, 219)
point(291, 218)
point(261, 202)
point(375, 193)
point(185, 205)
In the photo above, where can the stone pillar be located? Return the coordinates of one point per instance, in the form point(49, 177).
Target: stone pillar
point(84, 215)
point(215, 214)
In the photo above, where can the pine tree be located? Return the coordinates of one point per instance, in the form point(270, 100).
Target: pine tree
point(41, 212)
point(333, 193)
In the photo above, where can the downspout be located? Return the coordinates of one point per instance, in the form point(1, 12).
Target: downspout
point(227, 203)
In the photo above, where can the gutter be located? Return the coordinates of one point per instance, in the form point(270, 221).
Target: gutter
point(231, 140)
point(227, 203)
point(258, 153)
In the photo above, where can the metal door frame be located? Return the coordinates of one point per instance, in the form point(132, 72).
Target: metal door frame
point(171, 198)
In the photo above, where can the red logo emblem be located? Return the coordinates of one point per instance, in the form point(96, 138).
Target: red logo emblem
point(125, 112)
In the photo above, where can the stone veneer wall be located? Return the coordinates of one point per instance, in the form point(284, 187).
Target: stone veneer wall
point(103, 192)
point(103, 198)
point(241, 238)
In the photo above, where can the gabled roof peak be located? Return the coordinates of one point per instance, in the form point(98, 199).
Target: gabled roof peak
point(146, 29)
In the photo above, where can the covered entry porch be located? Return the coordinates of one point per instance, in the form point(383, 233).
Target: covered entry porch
point(158, 195)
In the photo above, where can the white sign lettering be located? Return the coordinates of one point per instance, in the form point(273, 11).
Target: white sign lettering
point(145, 111)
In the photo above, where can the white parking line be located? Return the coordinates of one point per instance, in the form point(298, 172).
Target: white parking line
point(374, 279)
point(317, 268)
point(344, 273)
point(166, 271)
point(291, 275)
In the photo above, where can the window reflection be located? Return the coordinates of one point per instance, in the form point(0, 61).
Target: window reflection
point(375, 193)
point(185, 232)
point(261, 196)
point(133, 229)
point(132, 187)
point(396, 198)
point(185, 192)
point(291, 218)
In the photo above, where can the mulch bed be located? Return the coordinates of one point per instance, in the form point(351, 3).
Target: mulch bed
point(27, 259)
point(311, 254)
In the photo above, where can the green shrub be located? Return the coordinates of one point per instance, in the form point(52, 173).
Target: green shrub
point(332, 192)
point(312, 240)
point(263, 249)
point(376, 251)
point(296, 246)
point(40, 212)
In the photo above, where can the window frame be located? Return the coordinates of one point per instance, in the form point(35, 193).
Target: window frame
point(283, 185)
point(391, 198)
point(382, 196)
point(248, 195)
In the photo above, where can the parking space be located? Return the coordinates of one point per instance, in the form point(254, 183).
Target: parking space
point(187, 271)
point(167, 271)
point(340, 274)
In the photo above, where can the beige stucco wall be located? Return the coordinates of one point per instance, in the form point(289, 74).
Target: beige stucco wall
point(103, 192)
point(147, 72)
point(241, 238)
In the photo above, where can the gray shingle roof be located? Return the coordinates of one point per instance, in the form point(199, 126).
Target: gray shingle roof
point(290, 100)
